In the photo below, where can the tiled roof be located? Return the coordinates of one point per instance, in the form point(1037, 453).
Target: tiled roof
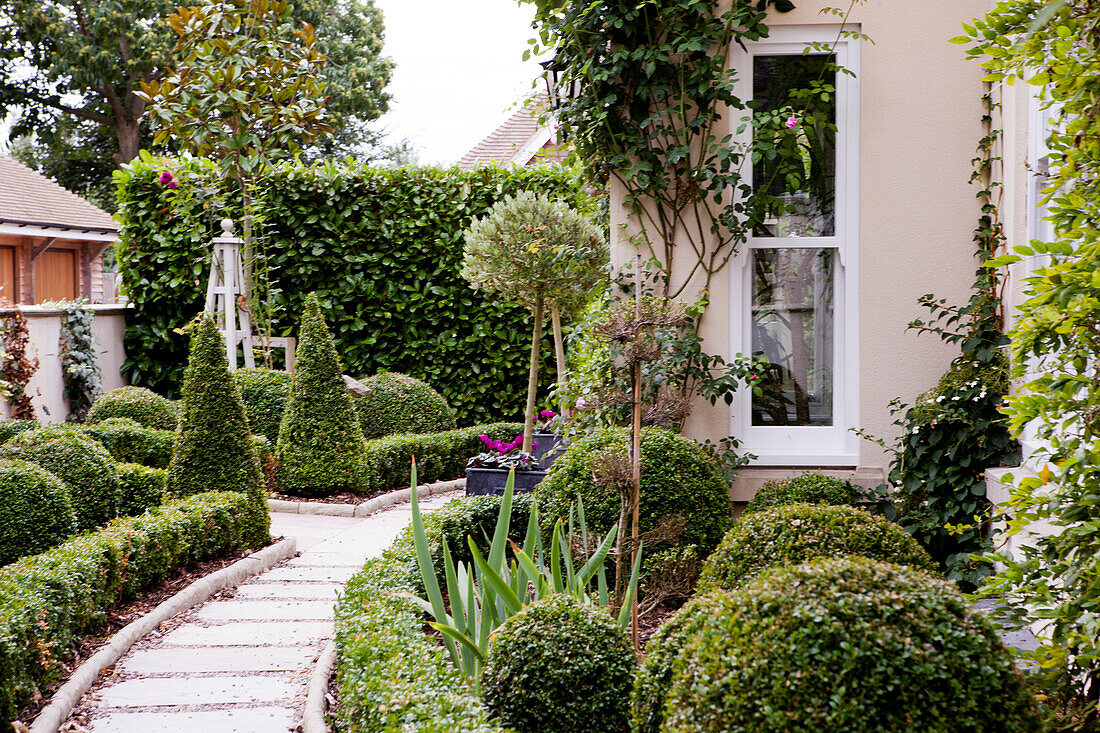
point(520, 140)
point(29, 198)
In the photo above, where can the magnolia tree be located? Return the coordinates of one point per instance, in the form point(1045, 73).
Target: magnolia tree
point(248, 92)
point(539, 254)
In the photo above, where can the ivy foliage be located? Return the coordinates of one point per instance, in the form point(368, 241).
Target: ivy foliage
point(80, 370)
point(320, 448)
point(214, 450)
point(381, 248)
point(1056, 344)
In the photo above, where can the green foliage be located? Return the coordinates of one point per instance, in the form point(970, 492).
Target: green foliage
point(139, 404)
point(847, 645)
point(949, 438)
point(529, 247)
point(89, 92)
point(49, 601)
point(244, 121)
point(401, 404)
point(320, 448)
point(560, 665)
point(213, 448)
point(79, 367)
point(264, 393)
point(391, 674)
point(1055, 45)
point(380, 247)
point(140, 488)
point(129, 442)
point(439, 456)
point(35, 511)
point(9, 428)
point(492, 589)
point(807, 488)
point(654, 92)
point(467, 517)
point(678, 479)
point(82, 464)
point(654, 678)
point(794, 533)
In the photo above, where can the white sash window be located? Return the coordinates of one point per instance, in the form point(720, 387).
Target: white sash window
point(794, 282)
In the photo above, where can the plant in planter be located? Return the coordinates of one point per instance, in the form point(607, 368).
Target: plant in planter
point(487, 472)
point(539, 254)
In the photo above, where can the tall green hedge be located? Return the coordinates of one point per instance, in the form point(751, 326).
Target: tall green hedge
point(380, 247)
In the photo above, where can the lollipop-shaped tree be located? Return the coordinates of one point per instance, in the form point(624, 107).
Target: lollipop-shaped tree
point(537, 253)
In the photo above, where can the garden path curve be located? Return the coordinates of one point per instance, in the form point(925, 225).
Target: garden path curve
point(240, 663)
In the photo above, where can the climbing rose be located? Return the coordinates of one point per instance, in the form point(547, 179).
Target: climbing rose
point(166, 177)
point(792, 122)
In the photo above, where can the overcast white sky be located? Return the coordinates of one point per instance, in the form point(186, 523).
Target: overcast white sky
point(458, 71)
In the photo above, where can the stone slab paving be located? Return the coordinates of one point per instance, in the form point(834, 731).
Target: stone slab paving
point(240, 663)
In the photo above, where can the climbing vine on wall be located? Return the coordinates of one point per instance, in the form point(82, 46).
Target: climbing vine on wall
point(17, 368)
point(955, 431)
point(79, 366)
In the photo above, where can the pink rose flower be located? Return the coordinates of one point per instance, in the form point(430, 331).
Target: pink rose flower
point(792, 122)
point(166, 177)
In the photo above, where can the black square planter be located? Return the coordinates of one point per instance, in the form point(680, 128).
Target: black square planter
point(491, 481)
point(548, 446)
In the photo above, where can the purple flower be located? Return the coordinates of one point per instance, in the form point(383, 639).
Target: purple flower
point(166, 177)
point(547, 414)
point(792, 122)
point(485, 439)
point(173, 185)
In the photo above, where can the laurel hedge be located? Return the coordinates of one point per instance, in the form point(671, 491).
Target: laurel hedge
point(380, 247)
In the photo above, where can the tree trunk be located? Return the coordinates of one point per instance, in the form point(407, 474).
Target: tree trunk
point(559, 352)
point(128, 133)
point(532, 379)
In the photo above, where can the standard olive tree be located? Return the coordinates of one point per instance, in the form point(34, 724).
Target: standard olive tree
point(537, 253)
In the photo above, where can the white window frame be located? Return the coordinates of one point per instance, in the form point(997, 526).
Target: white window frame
point(835, 445)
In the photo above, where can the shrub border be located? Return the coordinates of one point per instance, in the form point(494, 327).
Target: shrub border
point(48, 600)
point(67, 697)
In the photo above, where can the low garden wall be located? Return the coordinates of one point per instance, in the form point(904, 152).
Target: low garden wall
point(46, 387)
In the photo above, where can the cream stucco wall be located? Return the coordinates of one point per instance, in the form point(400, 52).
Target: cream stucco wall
point(920, 122)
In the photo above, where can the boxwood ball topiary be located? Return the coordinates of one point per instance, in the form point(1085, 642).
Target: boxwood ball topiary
point(678, 478)
point(83, 465)
point(320, 448)
point(214, 450)
point(794, 533)
point(397, 403)
point(809, 488)
point(139, 404)
point(8, 428)
point(558, 666)
point(129, 442)
point(848, 645)
point(263, 392)
point(655, 674)
point(35, 511)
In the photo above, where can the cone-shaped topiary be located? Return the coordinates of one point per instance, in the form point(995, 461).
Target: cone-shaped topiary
point(320, 446)
point(213, 450)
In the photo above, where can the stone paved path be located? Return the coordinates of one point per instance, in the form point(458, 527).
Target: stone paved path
point(240, 662)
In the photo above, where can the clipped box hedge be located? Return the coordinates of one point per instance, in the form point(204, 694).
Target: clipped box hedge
point(130, 442)
point(439, 456)
point(48, 601)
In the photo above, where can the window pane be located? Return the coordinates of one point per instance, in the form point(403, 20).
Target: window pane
point(793, 327)
point(797, 173)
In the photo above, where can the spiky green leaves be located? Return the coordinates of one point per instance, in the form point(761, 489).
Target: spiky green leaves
point(320, 446)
